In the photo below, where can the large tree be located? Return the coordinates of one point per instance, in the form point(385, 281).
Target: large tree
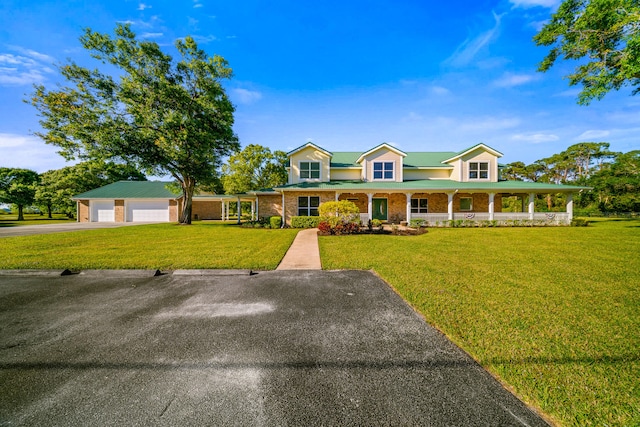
point(18, 187)
point(616, 188)
point(59, 185)
point(254, 168)
point(163, 116)
point(604, 35)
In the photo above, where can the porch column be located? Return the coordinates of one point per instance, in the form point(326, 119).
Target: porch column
point(450, 205)
point(284, 216)
point(370, 205)
point(239, 209)
point(221, 210)
point(409, 206)
point(337, 195)
point(253, 210)
point(491, 206)
point(570, 206)
point(532, 205)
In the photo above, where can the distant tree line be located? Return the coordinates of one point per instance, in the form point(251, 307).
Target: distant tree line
point(253, 168)
point(51, 191)
point(614, 177)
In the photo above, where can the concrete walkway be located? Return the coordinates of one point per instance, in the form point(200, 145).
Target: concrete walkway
point(304, 253)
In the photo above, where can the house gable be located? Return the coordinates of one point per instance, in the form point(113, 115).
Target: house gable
point(478, 163)
point(309, 163)
point(382, 163)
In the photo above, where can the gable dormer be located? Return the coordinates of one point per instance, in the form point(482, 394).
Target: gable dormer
point(476, 164)
point(309, 163)
point(382, 163)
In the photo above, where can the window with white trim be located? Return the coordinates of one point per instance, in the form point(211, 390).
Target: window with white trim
point(309, 170)
point(478, 170)
point(419, 205)
point(308, 205)
point(466, 203)
point(382, 170)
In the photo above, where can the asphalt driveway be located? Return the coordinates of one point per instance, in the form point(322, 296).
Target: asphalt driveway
point(291, 348)
point(27, 230)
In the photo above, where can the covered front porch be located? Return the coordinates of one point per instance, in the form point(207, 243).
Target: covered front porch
point(450, 208)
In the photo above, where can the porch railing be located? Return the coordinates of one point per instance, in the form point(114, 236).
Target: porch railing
point(502, 218)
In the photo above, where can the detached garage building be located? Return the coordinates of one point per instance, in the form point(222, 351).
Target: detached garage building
point(129, 201)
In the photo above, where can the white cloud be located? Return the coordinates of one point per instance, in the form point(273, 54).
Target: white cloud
point(593, 134)
point(469, 49)
point(245, 96)
point(143, 6)
point(29, 152)
point(489, 124)
point(32, 53)
point(26, 69)
point(197, 4)
point(534, 3)
point(535, 138)
point(150, 35)
point(412, 117)
point(569, 92)
point(511, 80)
point(204, 39)
point(440, 90)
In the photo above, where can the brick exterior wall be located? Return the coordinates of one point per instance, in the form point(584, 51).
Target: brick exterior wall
point(291, 201)
point(173, 210)
point(361, 201)
point(269, 206)
point(206, 209)
point(83, 210)
point(119, 210)
point(396, 203)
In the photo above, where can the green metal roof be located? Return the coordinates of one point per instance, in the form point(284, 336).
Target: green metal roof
point(427, 159)
point(434, 185)
point(131, 190)
point(422, 159)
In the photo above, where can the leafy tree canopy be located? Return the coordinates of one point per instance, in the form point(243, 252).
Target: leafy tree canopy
point(254, 168)
point(604, 35)
point(59, 185)
point(163, 116)
point(18, 187)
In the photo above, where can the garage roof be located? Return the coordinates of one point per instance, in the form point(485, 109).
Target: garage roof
point(130, 190)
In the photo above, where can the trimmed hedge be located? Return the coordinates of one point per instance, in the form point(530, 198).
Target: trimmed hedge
point(275, 221)
point(305, 221)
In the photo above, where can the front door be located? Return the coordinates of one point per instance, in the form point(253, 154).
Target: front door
point(379, 207)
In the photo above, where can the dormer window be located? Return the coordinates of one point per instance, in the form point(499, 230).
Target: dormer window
point(478, 170)
point(309, 170)
point(383, 170)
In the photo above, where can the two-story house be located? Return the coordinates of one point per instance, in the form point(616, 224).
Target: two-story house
point(384, 182)
point(392, 185)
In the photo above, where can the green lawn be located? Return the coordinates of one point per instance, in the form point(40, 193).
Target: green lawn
point(11, 220)
point(158, 246)
point(553, 312)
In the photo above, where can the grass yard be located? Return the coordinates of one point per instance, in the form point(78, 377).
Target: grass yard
point(158, 246)
point(553, 312)
point(11, 220)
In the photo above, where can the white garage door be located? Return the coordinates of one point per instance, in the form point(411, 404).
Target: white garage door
point(148, 211)
point(102, 211)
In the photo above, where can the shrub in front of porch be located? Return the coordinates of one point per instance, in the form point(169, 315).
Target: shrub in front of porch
point(340, 217)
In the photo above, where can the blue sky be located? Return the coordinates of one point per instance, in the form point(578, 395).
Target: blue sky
point(347, 75)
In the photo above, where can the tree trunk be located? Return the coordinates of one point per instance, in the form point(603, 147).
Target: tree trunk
point(49, 212)
point(188, 185)
point(20, 214)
